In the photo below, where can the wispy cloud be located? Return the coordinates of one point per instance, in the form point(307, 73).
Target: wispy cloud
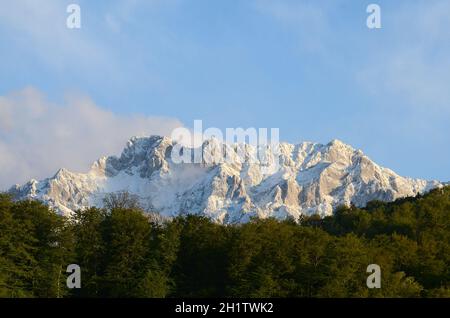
point(307, 19)
point(119, 13)
point(37, 137)
point(41, 26)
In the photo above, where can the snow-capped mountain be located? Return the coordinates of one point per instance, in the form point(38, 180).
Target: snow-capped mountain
point(310, 178)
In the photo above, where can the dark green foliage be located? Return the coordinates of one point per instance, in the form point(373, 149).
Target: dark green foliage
point(200, 268)
point(35, 246)
point(264, 257)
point(117, 254)
point(90, 249)
point(124, 253)
point(127, 238)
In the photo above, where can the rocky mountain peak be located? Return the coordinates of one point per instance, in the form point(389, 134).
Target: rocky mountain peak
point(310, 178)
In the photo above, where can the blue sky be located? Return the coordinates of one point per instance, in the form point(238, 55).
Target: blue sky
point(311, 68)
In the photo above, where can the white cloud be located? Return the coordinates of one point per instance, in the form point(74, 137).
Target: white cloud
point(38, 137)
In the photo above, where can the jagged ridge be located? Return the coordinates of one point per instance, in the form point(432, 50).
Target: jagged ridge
point(311, 178)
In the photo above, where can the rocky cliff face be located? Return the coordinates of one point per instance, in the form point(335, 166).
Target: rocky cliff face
point(310, 178)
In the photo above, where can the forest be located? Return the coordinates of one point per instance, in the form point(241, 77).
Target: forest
point(124, 252)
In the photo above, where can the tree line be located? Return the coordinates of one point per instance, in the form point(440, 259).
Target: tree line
point(124, 252)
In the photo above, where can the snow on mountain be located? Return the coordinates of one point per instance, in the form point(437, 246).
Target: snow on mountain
point(311, 178)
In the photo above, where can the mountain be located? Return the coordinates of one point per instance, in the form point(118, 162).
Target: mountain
point(310, 178)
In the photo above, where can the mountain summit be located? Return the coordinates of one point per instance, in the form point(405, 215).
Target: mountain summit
point(311, 178)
